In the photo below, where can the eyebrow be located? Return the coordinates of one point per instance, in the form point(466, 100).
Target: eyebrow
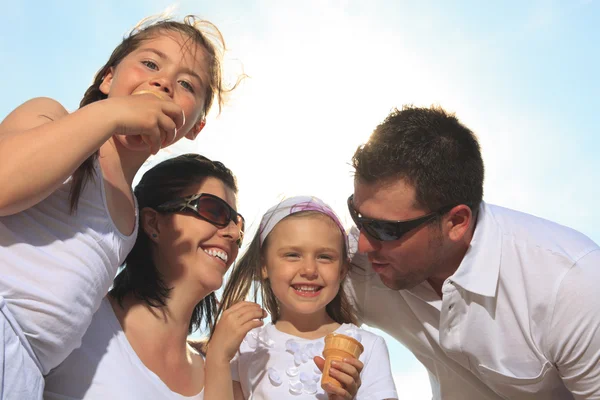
point(164, 56)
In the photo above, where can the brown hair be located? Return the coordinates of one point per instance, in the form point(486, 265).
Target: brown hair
point(140, 276)
point(430, 149)
point(247, 276)
point(200, 32)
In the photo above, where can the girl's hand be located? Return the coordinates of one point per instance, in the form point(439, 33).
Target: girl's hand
point(152, 117)
point(347, 373)
point(231, 329)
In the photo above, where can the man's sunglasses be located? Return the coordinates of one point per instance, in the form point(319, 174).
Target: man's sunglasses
point(390, 230)
point(209, 208)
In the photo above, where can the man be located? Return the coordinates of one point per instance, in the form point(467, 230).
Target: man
point(496, 304)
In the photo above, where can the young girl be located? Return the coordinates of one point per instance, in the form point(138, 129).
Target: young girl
point(136, 346)
point(298, 260)
point(68, 217)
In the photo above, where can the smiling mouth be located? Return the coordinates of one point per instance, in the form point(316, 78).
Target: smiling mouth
point(307, 290)
point(220, 254)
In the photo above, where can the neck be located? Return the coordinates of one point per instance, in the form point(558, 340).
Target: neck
point(118, 158)
point(306, 326)
point(159, 328)
point(452, 259)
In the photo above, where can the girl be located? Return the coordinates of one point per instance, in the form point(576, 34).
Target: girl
point(298, 260)
point(136, 346)
point(68, 217)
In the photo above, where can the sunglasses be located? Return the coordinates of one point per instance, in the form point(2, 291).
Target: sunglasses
point(209, 208)
point(386, 231)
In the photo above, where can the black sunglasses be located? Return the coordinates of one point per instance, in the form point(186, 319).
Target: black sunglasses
point(390, 230)
point(209, 208)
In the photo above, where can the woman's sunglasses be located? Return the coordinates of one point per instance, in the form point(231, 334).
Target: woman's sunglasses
point(209, 208)
point(386, 231)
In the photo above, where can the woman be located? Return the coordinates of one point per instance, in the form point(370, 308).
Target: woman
point(136, 346)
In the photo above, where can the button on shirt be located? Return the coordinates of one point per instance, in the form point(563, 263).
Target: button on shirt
point(519, 319)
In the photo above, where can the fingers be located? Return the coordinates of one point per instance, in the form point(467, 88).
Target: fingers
point(348, 374)
point(320, 362)
point(174, 112)
point(168, 130)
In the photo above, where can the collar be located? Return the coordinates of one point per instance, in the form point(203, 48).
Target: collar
point(479, 270)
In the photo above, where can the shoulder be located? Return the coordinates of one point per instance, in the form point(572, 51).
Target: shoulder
point(526, 230)
point(32, 113)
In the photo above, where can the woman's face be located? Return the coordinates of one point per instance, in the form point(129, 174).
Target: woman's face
point(193, 252)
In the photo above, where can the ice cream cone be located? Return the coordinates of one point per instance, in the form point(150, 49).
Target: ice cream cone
point(338, 347)
point(155, 93)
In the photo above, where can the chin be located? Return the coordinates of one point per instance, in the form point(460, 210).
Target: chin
point(133, 143)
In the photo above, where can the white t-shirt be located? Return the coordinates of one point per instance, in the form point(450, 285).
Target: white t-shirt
point(55, 267)
point(519, 319)
point(106, 367)
point(275, 365)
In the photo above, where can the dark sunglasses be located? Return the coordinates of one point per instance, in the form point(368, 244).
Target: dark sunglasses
point(390, 230)
point(209, 208)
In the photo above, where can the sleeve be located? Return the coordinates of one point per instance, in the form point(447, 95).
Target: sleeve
point(376, 376)
point(574, 334)
point(235, 367)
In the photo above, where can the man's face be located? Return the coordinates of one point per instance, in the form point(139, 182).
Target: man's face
point(414, 257)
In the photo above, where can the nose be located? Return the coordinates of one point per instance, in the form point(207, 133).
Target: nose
point(162, 83)
point(231, 232)
point(309, 269)
point(367, 244)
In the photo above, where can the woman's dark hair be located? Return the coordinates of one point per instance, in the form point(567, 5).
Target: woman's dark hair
point(247, 276)
point(164, 182)
point(200, 32)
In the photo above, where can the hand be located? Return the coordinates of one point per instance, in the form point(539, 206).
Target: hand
point(347, 373)
point(231, 329)
point(148, 115)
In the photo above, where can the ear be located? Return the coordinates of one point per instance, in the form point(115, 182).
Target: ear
point(264, 273)
point(459, 222)
point(107, 80)
point(191, 135)
point(149, 223)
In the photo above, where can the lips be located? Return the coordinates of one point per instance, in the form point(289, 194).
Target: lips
point(217, 253)
point(305, 290)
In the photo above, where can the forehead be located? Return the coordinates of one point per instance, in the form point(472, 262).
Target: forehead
point(389, 200)
point(215, 187)
point(314, 229)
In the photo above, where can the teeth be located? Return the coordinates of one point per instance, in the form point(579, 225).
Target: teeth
point(306, 288)
point(217, 253)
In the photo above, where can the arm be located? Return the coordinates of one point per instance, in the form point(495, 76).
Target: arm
point(574, 334)
point(231, 329)
point(41, 144)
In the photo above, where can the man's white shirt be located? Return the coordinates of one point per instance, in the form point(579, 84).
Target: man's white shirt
point(519, 319)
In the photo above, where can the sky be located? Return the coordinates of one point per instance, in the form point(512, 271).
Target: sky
point(323, 73)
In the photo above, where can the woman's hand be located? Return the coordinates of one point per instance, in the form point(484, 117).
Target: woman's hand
point(231, 329)
point(347, 373)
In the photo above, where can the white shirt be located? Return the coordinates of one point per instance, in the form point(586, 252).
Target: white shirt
point(56, 266)
point(106, 367)
point(520, 318)
point(275, 365)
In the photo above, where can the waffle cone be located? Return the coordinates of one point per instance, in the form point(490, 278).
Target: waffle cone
point(338, 347)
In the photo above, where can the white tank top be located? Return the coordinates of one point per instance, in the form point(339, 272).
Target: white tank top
point(55, 267)
point(106, 367)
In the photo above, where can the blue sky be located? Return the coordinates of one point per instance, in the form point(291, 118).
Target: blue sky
point(324, 73)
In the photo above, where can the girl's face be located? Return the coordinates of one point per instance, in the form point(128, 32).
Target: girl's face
point(304, 263)
point(192, 252)
point(172, 64)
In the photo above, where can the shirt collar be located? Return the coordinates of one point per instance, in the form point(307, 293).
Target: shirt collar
point(478, 272)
